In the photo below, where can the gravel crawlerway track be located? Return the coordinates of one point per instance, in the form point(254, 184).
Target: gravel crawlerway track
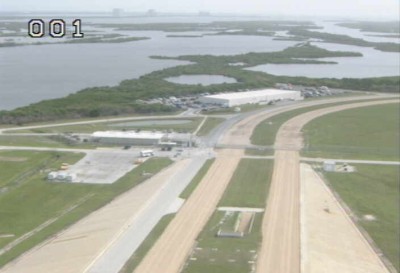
point(280, 250)
point(173, 247)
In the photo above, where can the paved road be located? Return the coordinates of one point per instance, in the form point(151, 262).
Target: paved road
point(353, 161)
point(114, 258)
point(280, 250)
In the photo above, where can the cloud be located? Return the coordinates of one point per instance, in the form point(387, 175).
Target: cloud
point(374, 8)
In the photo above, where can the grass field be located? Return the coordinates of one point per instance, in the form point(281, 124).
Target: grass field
point(14, 165)
point(31, 141)
point(364, 133)
point(106, 126)
point(197, 179)
point(146, 245)
point(249, 184)
point(31, 201)
point(374, 190)
point(264, 134)
point(248, 188)
point(209, 125)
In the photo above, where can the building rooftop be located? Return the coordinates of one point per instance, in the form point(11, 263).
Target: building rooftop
point(239, 95)
point(129, 134)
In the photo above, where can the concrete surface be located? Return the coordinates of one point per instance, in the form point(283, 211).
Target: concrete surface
point(331, 242)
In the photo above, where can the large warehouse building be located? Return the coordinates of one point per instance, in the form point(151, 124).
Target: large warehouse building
point(127, 137)
point(253, 97)
point(143, 138)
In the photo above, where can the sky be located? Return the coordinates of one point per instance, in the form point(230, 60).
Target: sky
point(384, 9)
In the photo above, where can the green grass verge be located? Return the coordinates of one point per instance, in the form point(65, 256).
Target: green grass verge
point(209, 125)
point(146, 245)
point(35, 201)
point(31, 141)
point(371, 132)
point(374, 190)
point(196, 180)
point(249, 184)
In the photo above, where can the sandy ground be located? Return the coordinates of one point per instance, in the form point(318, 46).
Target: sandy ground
point(173, 247)
point(280, 250)
point(331, 242)
point(75, 249)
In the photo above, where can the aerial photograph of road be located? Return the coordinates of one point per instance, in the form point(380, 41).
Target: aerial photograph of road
point(190, 136)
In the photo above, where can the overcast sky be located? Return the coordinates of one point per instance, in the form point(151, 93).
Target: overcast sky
point(350, 8)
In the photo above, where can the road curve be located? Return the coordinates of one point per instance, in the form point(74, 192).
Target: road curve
point(280, 250)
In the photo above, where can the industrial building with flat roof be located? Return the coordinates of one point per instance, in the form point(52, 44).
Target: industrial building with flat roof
point(143, 138)
point(251, 97)
point(128, 137)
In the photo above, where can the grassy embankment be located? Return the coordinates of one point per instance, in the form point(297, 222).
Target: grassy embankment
point(363, 133)
point(209, 125)
point(28, 200)
point(121, 99)
point(374, 190)
point(248, 187)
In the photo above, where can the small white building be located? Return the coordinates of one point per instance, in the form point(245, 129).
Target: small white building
point(329, 166)
point(251, 97)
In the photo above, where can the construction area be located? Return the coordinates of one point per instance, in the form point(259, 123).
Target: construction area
point(302, 228)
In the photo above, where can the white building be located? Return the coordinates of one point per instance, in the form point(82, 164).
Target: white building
point(251, 97)
point(128, 137)
point(329, 166)
point(143, 138)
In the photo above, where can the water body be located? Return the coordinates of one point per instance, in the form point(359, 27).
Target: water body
point(201, 79)
point(332, 27)
point(374, 63)
point(152, 122)
point(30, 74)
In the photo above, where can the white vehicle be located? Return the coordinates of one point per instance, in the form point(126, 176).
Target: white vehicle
point(146, 153)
